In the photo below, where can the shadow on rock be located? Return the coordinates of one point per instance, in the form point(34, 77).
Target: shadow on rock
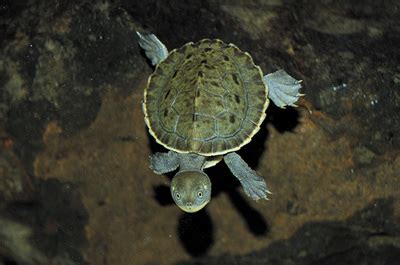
point(162, 195)
point(196, 232)
point(256, 223)
point(223, 181)
point(368, 237)
point(284, 120)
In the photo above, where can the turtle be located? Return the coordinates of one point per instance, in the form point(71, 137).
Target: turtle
point(203, 102)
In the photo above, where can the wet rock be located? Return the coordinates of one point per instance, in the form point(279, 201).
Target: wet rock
point(47, 229)
point(72, 80)
point(15, 184)
point(370, 236)
point(363, 156)
point(58, 69)
point(15, 243)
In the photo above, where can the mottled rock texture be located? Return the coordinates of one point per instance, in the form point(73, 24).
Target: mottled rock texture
point(71, 85)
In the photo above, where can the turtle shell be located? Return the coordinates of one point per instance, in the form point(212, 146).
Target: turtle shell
point(207, 98)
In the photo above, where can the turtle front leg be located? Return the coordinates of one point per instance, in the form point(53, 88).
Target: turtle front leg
point(283, 89)
point(162, 163)
point(155, 50)
point(254, 185)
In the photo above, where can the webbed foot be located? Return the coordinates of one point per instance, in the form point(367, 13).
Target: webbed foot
point(283, 89)
point(155, 50)
point(162, 163)
point(254, 186)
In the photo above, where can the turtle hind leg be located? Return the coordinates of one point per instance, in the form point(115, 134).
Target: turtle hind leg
point(283, 89)
point(154, 49)
point(254, 186)
point(162, 163)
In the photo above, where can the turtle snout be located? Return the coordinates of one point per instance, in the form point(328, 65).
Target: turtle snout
point(189, 204)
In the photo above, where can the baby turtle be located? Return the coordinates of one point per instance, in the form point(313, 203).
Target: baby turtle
point(203, 102)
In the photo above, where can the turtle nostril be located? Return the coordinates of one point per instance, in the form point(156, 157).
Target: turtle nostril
point(189, 204)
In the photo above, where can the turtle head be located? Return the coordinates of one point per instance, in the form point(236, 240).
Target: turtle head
point(191, 190)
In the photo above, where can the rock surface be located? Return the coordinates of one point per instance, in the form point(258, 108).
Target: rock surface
point(72, 78)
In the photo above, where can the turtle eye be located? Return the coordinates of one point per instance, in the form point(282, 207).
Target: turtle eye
point(178, 196)
point(200, 194)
